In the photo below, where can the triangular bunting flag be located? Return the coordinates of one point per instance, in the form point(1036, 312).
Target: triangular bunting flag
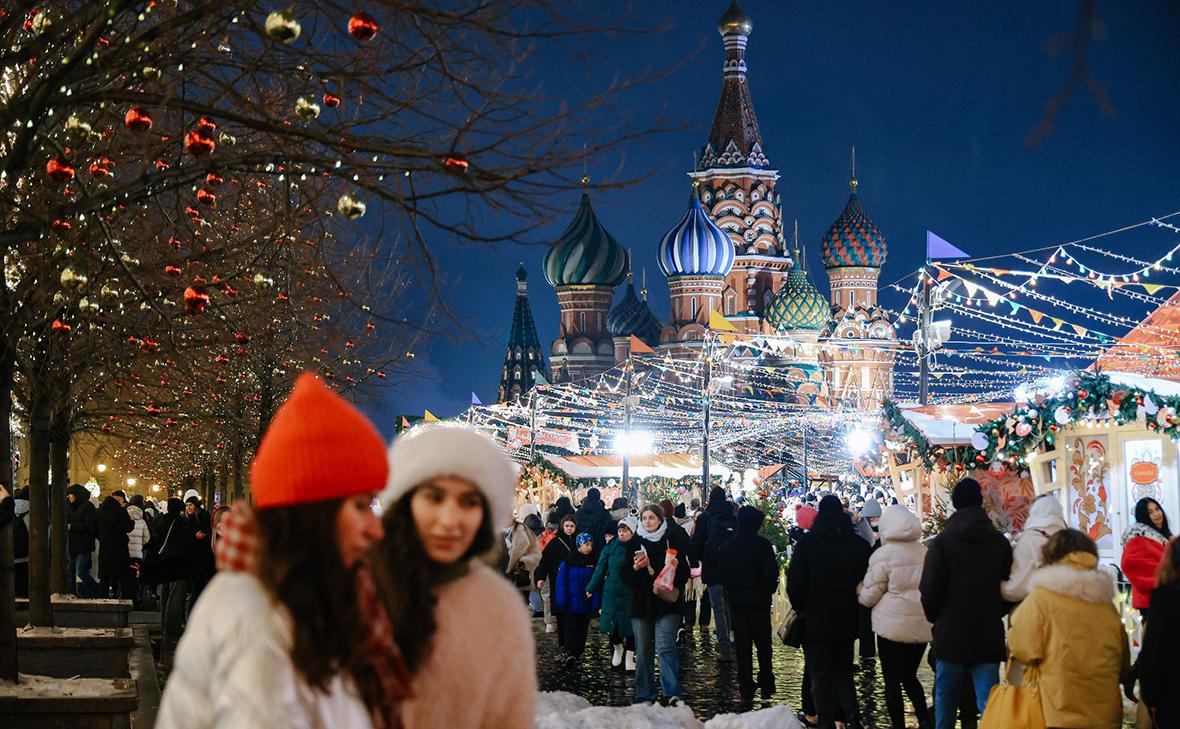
point(1081, 330)
point(971, 289)
point(405, 422)
point(475, 399)
point(1036, 315)
point(720, 323)
point(429, 416)
point(943, 274)
point(936, 248)
point(1057, 323)
point(540, 378)
point(639, 347)
point(1152, 288)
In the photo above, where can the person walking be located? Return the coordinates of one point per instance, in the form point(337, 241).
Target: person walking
point(1069, 629)
point(552, 556)
point(714, 528)
point(1045, 518)
point(285, 643)
point(114, 558)
point(459, 625)
point(522, 554)
point(200, 525)
point(960, 589)
point(1157, 667)
point(136, 539)
point(826, 567)
point(613, 619)
point(654, 618)
point(749, 574)
point(890, 590)
point(1143, 548)
point(82, 531)
point(593, 518)
point(573, 597)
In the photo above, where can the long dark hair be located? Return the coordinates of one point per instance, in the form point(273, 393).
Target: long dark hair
point(408, 580)
point(300, 565)
point(1142, 516)
point(1169, 569)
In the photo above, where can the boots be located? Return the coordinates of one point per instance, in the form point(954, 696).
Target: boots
point(629, 662)
point(616, 658)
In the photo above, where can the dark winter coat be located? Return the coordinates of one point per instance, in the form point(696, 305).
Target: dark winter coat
point(749, 570)
point(616, 595)
point(593, 518)
point(552, 556)
point(81, 522)
point(560, 508)
point(7, 510)
point(706, 550)
point(113, 524)
point(827, 566)
point(644, 602)
point(168, 556)
point(960, 587)
point(1157, 667)
point(571, 585)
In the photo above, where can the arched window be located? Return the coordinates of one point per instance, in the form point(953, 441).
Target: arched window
point(694, 307)
point(516, 372)
point(730, 305)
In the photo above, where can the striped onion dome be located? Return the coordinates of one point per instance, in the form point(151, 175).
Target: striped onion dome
point(696, 246)
point(853, 240)
point(797, 304)
point(585, 254)
point(633, 316)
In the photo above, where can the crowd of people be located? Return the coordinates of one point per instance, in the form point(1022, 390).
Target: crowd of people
point(361, 583)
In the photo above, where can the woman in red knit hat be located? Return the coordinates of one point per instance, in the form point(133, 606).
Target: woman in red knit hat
point(283, 639)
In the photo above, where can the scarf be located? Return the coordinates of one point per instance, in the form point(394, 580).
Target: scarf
point(236, 550)
point(655, 536)
point(1139, 529)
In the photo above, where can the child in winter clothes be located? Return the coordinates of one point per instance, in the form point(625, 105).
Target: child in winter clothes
point(615, 620)
point(571, 597)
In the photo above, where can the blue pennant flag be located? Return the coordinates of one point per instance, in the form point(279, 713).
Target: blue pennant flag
point(937, 248)
point(475, 399)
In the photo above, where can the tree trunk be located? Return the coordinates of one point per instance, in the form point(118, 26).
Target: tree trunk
point(59, 461)
point(40, 412)
point(7, 578)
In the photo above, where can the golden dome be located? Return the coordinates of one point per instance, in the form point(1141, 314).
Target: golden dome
point(735, 21)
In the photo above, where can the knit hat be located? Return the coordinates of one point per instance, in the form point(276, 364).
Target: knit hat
point(967, 493)
point(583, 538)
point(435, 450)
point(191, 494)
point(318, 448)
point(871, 509)
point(119, 492)
point(805, 516)
point(830, 503)
point(631, 522)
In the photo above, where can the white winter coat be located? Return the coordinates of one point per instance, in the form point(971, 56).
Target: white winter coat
point(890, 586)
point(139, 534)
point(233, 669)
point(1045, 519)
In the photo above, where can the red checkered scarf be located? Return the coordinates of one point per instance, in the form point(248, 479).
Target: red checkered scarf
point(237, 546)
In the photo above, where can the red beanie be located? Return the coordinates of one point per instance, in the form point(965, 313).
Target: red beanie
point(318, 447)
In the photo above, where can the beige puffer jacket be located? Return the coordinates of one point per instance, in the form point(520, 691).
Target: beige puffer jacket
point(890, 586)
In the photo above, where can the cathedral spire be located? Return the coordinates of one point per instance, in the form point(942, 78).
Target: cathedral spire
point(734, 140)
point(523, 361)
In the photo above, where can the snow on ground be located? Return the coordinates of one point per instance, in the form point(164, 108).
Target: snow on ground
point(562, 710)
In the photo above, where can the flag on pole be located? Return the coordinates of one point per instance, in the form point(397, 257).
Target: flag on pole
point(937, 248)
point(639, 347)
point(720, 323)
point(475, 399)
point(429, 416)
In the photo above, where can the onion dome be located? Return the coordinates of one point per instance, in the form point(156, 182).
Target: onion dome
point(585, 254)
point(853, 240)
point(696, 246)
point(632, 316)
point(735, 21)
point(797, 304)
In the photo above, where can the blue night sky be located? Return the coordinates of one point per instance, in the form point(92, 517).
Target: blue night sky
point(938, 99)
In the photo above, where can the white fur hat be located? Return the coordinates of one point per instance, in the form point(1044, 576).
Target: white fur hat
point(451, 449)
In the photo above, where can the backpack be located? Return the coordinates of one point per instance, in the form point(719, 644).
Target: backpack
point(721, 528)
point(20, 538)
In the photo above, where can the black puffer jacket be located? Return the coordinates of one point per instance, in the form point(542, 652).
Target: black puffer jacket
point(81, 521)
point(961, 588)
point(1157, 667)
point(704, 552)
point(593, 518)
point(828, 564)
point(644, 602)
point(749, 570)
point(113, 525)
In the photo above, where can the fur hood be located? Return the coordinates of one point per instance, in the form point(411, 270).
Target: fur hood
point(1143, 530)
point(1076, 576)
point(898, 524)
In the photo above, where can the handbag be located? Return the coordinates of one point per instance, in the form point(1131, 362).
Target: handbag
point(790, 630)
point(1015, 706)
point(521, 577)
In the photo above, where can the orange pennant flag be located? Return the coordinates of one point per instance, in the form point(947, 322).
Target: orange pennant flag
point(944, 274)
point(1036, 315)
point(720, 323)
point(639, 347)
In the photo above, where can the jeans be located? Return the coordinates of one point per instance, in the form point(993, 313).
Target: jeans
point(720, 619)
point(535, 603)
point(80, 570)
point(948, 686)
point(830, 663)
point(899, 667)
point(751, 629)
point(658, 634)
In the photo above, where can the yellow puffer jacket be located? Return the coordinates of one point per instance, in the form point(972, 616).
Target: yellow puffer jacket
point(1069, 628)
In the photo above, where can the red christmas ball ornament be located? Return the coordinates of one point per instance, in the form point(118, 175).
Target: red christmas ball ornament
point(1083, 394)
point(198, 143)
point(206, 125)
point(196, 298)
point(362, 27)
point(331, 100)
point(213, 179)
point(241, 338)
point(205, 197)
point(138, 119)
point(59, 327)
point(59, 170)
point(172, 271)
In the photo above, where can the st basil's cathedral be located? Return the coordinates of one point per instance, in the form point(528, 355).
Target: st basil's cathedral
point(728, 253)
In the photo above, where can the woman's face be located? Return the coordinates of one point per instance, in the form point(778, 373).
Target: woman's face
point(447, 512)
point(568, 527)
point(624, 534)
point(357, 529)
point(651, 521)
point(1155, 513)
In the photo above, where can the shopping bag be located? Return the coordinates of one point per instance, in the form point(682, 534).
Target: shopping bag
point(790, 630)
point(665, 584)
point(1014, 706)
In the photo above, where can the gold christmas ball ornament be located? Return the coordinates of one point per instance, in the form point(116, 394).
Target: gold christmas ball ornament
point(282, 26)
point(307, 109)
point(350, 206)
point(73, 280)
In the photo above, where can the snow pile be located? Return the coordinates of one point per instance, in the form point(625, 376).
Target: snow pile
point(560, 710)
point(776, 717)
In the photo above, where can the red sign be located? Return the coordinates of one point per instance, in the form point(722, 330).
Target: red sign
point(1145, 473)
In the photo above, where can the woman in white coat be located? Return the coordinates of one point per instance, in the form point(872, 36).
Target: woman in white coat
point(1045, 518)
point(285, 645)
point(890, 588)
